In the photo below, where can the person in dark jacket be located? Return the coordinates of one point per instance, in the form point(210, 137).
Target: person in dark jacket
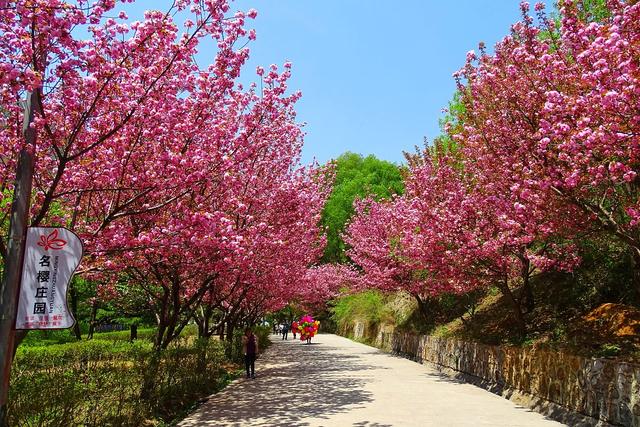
point(250, 349)
point(285, 331)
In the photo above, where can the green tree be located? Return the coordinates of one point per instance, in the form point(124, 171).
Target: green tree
point(356, 177)
point(450, 125)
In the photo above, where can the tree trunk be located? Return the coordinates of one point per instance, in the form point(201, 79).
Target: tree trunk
point(221, 329)
point(203, 320)
point(92, 321)
point(134, 332)
point(230, 327)
point(423, 307)
point(527, 292)
point(74, 309)
point(517, 309)
point(201, 328)
point(19, 336)
point(162, 318)
point(635, 271)
point(229, 339)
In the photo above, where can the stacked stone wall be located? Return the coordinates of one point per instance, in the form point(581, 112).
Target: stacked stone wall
point(603, 389)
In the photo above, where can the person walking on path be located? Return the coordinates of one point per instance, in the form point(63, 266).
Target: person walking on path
point(293, 329)
point(250, 349)
point(285, 331)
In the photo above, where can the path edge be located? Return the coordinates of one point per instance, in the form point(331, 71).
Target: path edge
point(545, 407)
point(540, 405)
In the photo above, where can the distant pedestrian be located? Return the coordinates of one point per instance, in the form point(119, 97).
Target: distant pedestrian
point(294, 329)
point(285, 331)
point(250, 349)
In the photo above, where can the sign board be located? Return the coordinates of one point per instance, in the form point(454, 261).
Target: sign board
point(51, 256)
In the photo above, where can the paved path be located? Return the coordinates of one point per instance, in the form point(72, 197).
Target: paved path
point(337, 382)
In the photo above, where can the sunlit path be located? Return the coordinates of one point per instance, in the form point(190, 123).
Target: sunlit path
point(337, 382)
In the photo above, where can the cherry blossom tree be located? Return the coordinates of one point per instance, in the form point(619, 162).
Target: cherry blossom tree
point(280, 239)
point(178, 179)
point(459, 227)
point(324, 282)
point(555, 118)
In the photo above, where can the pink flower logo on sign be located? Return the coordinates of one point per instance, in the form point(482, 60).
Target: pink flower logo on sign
point(51, 241)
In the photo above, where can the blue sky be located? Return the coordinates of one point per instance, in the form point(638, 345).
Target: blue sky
point(374, 74)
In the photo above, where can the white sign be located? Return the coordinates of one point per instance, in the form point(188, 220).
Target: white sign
point(51, 256)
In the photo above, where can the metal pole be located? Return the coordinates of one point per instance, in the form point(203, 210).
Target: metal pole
point(13, 266)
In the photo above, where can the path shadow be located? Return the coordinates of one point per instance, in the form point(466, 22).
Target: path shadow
point(298, 382)
point(370, 424)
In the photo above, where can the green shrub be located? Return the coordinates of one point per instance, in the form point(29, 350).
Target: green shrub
point(44, 337)
point(367, 306)
point(608, 350)
point(111, 382)
point(147, 334)
point(263, 332)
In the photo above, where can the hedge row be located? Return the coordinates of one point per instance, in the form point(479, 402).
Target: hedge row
point(112, 383)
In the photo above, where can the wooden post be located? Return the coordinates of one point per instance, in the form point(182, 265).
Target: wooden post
point(17, 234)
point(73, 284)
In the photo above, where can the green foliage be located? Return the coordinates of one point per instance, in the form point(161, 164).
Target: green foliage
point(356, 177)
point(493, 290)
point(609, 350)
point(605, 274)
point(63, 336)
point(441, 331)
point(368, 307)
point(147, 334)
point(262, 332)
point(589, 11)
point(593, 10)
point(287, 314)
point(100, 382)
point(44, 337)
point(450, 125)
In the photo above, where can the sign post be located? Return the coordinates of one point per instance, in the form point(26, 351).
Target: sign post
point(15, 250)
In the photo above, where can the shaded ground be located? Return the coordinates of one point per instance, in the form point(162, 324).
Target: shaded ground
point(337, 382)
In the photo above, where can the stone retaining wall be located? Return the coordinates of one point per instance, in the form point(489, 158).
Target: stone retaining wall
point(603, 389)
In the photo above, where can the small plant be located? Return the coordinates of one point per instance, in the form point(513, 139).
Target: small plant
point(442, 331)
point(609, 350)
point(493, 291)
point(558, 332)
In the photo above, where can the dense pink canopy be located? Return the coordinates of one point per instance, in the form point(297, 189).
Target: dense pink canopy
point(544, 147)
point(172, 172)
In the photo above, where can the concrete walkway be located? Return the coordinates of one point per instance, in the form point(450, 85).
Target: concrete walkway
point(337, 382)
